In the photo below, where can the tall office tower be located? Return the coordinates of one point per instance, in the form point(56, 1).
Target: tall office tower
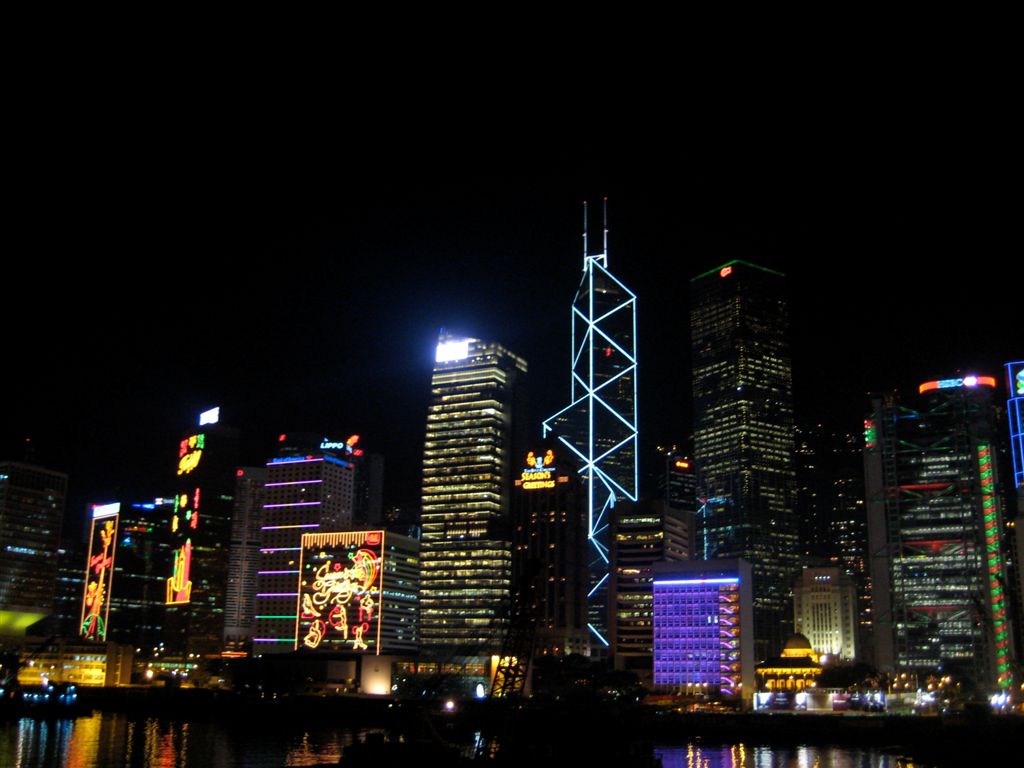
point(676, 481)
point(599, 425)
point(1015, 412)
point(308, 489)
point(31, 513)
point(743, 419)
point(703, 631)
point(139, 587)
point(474, 428)
point(244, 558)
point(199, 530)
point(549, 527)
point(643, 534)
point(825, 611)
point(935, 533)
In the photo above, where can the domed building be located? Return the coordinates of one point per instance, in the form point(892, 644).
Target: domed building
point(796, 669)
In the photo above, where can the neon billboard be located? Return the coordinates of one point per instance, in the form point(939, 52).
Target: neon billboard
point(99, 572)
point(190, 451)
point(341, 586)
point(540, 472)
point(966, 381)
point(179, 586)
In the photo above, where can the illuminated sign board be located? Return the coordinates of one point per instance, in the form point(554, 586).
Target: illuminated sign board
point(99, 572)
point(179, 586)
point(725, 271)
point(190, 451)
point(966, 381)
point(540, 472)
point(1015, 378)
point(341, 587)
point(211, 416)
point(449, 351)
point(348, 446)
point(680, 464)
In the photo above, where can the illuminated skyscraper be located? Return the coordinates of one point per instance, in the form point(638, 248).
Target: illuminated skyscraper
point(599, 425)
point(199, 531)
point(31, 513)
point(310, 488)
point(473, 419)
point(935, 533)
point(1015, 411)
point(743, 435)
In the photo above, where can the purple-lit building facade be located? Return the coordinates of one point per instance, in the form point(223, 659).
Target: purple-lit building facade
point(310, 488)
point(703, 628)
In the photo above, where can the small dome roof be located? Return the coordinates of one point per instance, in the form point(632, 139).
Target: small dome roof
point(798, 642)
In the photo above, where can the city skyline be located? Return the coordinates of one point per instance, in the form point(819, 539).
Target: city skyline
point(488, 259)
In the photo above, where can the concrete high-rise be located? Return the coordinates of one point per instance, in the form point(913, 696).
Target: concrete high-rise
point(744, 434)
point(549, 527)
point(599, 425)
point(825, 611)
point(244, 558)
point(474, 428)
point(31, 514)
point(935, 533)
point(644, 534)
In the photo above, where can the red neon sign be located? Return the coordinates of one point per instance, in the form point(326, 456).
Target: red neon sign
point(725, 271)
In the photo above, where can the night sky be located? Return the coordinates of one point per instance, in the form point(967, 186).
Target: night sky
point(304, 295)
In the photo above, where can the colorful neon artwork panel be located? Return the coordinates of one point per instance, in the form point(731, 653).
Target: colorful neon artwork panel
point(341, 583)
point(179, 586)
point(99, 573)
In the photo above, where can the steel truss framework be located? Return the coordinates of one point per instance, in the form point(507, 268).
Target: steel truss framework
point(599, 426)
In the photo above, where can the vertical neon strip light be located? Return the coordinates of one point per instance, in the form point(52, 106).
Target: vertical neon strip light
point(995, 570)
point(607, 451)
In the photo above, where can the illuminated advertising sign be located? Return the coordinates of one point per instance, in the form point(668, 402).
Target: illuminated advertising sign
point(966, 381)
point(211, 416)
point(349, 446)
point(99, 572)
point(179, 586)
point(341, 587)
point(540, 472)
point(449, 351)
point(680, 464)
point(190, 451)
point(996, 568)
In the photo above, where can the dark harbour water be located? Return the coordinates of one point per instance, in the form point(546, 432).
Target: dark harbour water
point(116, 740)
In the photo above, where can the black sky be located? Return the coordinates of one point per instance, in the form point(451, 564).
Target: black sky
point(298, 291)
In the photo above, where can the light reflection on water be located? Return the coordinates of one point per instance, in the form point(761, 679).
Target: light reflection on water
point(110, 740)
point(742, 756)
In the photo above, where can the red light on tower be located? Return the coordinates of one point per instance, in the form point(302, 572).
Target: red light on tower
point(282, 438)
point(240, 473)
point(725, 271)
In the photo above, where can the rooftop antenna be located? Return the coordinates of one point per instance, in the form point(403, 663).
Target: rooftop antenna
point(605, 256)
point(585, 226)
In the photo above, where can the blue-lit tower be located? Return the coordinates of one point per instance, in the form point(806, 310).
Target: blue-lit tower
point(1015, 410)
point(600, 424)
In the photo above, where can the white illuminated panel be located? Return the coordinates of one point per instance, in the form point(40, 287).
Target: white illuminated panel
point(105, 510)
point(447, 351)
point(211, 416)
